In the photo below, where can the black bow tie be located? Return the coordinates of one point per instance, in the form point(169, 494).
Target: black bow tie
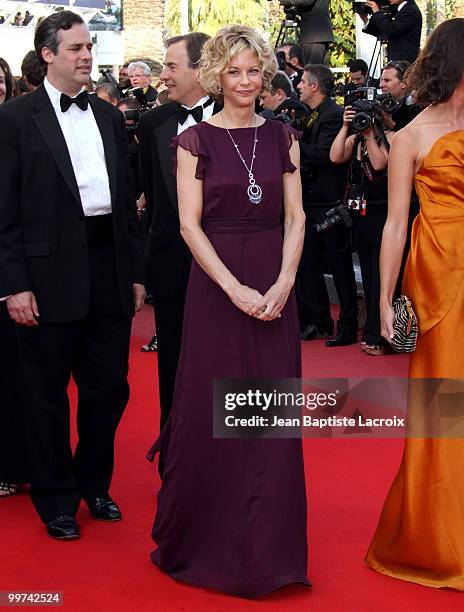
point(197, 112)
point(81, 100)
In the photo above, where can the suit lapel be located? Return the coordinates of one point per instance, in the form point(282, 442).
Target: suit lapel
point(217, 107)
point(105, 125)
point(47, 124)
point(163, 135)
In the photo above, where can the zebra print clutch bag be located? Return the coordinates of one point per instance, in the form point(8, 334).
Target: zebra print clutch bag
point(405, 326)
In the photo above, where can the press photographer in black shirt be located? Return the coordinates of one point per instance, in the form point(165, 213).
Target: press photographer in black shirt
point(367, 197)
point(392, 81)
point(323, 186)
point(401, 27)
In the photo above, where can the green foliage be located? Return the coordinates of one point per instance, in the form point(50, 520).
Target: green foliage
point(450, 8)
point(343, 21)
point(431, 17)
point(209, 15)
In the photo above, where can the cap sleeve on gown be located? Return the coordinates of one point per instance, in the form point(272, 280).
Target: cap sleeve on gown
point(190, 141)
point(287, 134)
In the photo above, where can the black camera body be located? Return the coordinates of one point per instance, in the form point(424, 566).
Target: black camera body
point(369, 106)
point(139, 95)
point(293, 7)
point(360, 7)
point(133, 115)
point(339, 215)
point(368, 109)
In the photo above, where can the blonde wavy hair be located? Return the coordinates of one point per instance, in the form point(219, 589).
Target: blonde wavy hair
point(218, 52)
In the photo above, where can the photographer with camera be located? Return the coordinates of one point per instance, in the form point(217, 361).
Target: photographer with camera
point(315, 27)
point(108, 92)
point(323, 186)
point(278, 102)
point(142, 89)
point(290, 60)
point(363, 143)
point(359, 73)
point(404, 109)
point(131, 109)
point(400, 26)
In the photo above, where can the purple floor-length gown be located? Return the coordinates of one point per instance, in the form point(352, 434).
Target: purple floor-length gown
point(232, 513)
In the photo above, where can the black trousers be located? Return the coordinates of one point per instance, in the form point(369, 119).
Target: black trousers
point(331, 246)
point(13, 447)
point(315, 53)
point(169, 315)
point(368, 241)
point(95, 352)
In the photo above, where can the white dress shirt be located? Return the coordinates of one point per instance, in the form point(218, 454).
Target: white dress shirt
point(207, 114)
point(85, 146)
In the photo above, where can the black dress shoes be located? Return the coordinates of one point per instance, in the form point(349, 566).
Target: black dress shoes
point(104, 509)
point(63, 527)
point(342, 340)
point(312, 332)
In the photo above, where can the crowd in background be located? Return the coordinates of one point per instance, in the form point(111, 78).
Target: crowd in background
point(343, 171)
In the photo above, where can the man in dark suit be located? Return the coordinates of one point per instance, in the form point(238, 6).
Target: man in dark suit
point(323, 186)
point(402, 31)
point(71, 270)
point(315, 28)
point(168, 258)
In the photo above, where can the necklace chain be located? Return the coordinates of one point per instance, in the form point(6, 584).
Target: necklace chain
point(254, 191)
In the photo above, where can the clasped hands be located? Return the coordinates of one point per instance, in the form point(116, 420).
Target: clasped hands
point(265, 307)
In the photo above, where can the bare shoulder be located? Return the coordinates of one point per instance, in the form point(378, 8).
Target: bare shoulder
point(405, 142)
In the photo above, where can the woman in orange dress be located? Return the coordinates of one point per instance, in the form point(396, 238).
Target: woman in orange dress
point(420, 535)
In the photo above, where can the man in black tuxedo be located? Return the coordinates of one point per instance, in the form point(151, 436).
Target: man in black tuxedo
point(71, 270)
point(168, 258)
point(403, 31)
point(323, 186)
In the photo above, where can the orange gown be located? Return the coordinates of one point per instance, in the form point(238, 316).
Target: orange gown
point(420, 535)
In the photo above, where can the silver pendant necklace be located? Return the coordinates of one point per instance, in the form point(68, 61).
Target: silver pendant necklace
point(254, 191)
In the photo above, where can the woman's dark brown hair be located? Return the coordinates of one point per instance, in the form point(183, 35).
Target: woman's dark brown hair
point(9, 80)
point(440, 66)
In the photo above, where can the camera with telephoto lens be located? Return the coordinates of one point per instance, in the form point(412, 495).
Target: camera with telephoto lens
point(359, 6)
point(335, 216)
point(368, 110)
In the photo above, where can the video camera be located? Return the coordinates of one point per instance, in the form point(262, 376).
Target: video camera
point(369, 106)
point(359, 6)
point(293, 7)
point(109, 78)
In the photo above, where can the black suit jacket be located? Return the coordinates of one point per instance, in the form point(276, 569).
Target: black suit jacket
point(403, 32)
point(42, 227)
point(167, 256)
point(323, 182)
point(316, 23)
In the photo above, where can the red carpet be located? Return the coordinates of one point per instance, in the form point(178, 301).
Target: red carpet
point(109, 568)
